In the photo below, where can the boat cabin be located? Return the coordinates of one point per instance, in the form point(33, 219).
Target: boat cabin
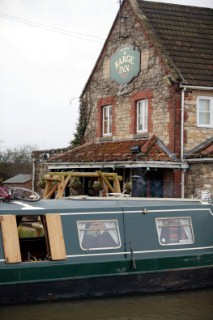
point(75, 248)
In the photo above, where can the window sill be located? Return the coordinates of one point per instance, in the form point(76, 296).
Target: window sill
point(205, 126)
point(141, 135)
point(105, 138)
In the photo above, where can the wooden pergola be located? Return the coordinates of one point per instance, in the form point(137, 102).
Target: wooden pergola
point(56, 182)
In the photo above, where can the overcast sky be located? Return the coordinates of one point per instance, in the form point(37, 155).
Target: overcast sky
point(48, 49)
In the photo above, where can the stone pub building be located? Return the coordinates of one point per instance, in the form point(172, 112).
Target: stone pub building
point(146, 111)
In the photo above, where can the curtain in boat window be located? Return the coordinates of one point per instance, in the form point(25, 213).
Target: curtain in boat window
point(81, 230)
point(112, 229)
point(98, 234)
point(187, 228)
point(159, 229)
point(172, 231)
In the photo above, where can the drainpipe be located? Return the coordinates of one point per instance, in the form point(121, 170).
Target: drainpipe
point(33, 175)
point(182, 141)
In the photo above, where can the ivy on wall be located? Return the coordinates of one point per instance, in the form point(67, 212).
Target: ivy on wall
point(82, 123)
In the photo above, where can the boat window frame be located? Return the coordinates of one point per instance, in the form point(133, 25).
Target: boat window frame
point(182, 240)
point(14, 250)
point(99, 221)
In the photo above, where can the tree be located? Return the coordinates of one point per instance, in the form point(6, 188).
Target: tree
point(15, 161)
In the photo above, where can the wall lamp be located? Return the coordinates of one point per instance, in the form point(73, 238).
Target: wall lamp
point(135, 149)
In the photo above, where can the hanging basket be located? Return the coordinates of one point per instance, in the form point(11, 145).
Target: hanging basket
point(76, 185)
point(97, 185)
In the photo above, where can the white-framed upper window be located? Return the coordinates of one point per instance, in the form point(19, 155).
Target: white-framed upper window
point(99, 234)
point(205, 112)
point(107, 120)
point(142, 116)
point(174, 230)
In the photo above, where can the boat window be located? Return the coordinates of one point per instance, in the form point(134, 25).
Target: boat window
point(99, 234)
point(41, 238)
point(33, 244)
point(174, 230)
point(32, 238)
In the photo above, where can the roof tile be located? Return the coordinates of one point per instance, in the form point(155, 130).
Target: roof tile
point(186, 32)
point(114, 151)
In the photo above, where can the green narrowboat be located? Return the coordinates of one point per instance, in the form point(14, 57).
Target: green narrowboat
point(54, 250)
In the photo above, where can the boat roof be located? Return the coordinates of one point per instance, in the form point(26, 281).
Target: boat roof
point(91, 204)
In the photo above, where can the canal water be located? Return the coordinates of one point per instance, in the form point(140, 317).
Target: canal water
point(189, 305)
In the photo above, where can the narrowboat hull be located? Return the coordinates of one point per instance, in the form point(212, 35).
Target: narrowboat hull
point(103, 248)
point(105, 286)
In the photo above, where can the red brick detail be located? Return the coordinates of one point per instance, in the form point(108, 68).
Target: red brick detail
point(149, 144)
point(208, 151)
point(141, 95)
point(177, 183)
point(100, 104)
point(174, 109)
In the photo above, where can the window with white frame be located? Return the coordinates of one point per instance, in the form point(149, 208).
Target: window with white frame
point(172, 231)
point(205, 112)
point(99, 234)
point(142, 116)
point(107, 120)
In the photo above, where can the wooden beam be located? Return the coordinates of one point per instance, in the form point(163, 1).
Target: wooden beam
point(106, 181)
point(60, 189)
point(62, 185)
point(47, 196)
point(47, 189)
point(62, 178)
point(80, 174)
point(116, 185)
point(53, 178)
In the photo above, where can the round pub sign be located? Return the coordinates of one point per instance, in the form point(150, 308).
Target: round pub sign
point(125, 64)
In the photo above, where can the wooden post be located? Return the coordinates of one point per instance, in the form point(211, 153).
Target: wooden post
point(116, 185)
point(55, 236)
point(10, 239)
point(102, 176)
point(62, 185)
point(51, 192)
point(47, 189)
point(60, 189)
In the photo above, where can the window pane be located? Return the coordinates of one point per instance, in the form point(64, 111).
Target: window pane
point(204, 112)
point(107, 120)
point(110, 120)
point(204, 118)
point(145, 114)
point(174, 230)
point(142, 115)
point(101, 234)
point(204, 105)
point(105, 127)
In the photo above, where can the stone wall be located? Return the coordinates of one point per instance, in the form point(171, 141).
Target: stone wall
point(194, 135)
point(199, 176)
point(153, 79)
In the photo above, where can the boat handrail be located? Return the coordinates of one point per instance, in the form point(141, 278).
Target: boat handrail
point(127, 197)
